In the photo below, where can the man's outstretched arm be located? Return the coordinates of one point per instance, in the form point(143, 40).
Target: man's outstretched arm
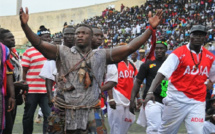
point(155, 83)
point(108, 86)
point(11, 91)
point(135, 91)
point(48, 50)
point(120, 53)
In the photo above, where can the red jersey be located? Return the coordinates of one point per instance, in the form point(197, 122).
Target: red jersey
point(186, 83)
point(125, 79)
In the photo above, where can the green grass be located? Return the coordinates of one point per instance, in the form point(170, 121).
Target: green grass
point(18, 129)
point(135, 129)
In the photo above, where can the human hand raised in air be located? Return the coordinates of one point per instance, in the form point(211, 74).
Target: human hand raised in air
point(155, 20)
point(24, 17)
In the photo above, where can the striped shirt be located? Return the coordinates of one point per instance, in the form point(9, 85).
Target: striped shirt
point(34, 60)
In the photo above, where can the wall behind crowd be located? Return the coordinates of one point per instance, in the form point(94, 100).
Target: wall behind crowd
point(54, 20)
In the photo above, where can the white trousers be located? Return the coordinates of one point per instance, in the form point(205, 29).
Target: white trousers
point(120, 119)
point(175, 113)
point(209, 127)
point(153, 112)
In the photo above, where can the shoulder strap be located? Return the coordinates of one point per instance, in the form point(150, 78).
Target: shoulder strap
point(84, 58)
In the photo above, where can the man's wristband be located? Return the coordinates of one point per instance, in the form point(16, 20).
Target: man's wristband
point(151, 28)
point(110, 100)
point(150, 93)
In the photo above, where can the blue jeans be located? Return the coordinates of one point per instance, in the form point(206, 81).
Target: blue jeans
point(32, 100)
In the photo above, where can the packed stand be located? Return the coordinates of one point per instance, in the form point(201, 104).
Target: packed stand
point(178, 17)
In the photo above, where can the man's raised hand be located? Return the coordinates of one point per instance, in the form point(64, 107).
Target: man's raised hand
point(24, 17)
point(155, 20)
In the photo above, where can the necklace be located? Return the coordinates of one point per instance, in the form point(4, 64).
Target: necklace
point(196, 64)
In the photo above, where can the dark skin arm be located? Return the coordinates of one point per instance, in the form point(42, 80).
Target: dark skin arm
point(208, 117)
point(120, 53)
point(11, 92)
point(139, 100)
point(49, 85)
point(48, 50)
point(134, 93)
point(108, 87)
point(155, 83)
point(111, 103)
point(210, 85)
point(25, 70)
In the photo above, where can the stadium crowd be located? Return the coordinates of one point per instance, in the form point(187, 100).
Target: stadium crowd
point(178, 17)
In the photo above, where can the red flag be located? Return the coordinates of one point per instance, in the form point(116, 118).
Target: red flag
point(151, 55)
